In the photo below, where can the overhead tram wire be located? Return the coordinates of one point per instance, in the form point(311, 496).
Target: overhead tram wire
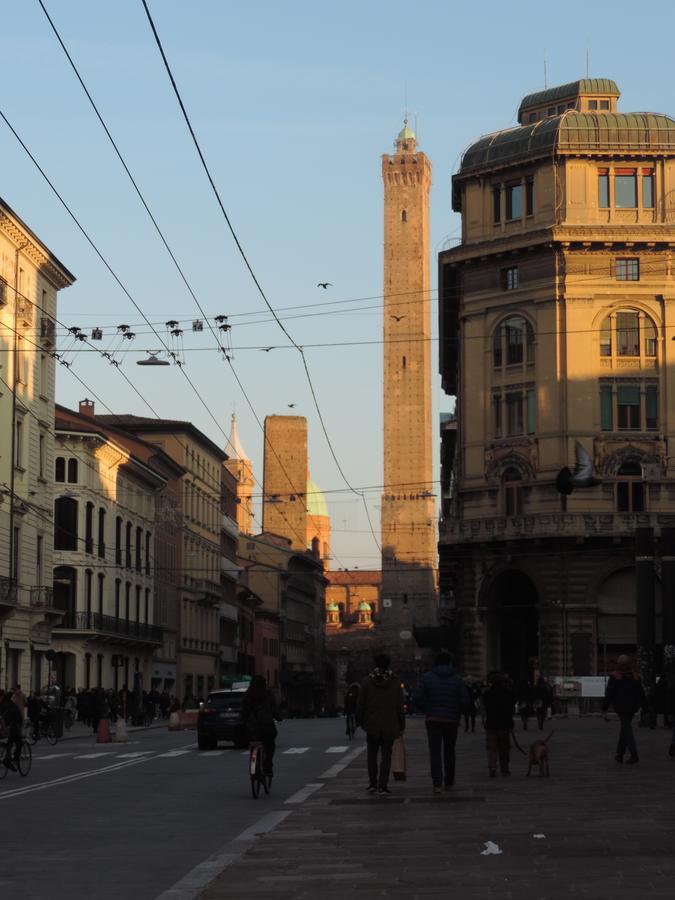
point(119, 283)
point(250, 267)
point(221, 348)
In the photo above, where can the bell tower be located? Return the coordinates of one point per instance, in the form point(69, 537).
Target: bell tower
point(408, 524)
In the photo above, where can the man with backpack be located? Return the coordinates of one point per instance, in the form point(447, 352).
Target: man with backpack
point(624, 692)
point(380, 712)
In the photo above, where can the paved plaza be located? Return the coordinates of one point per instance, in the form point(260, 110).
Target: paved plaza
point(594, 829)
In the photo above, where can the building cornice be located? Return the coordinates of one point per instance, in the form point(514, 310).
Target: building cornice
point(21, 235)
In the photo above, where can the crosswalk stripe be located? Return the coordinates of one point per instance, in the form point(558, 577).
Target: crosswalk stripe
point(214, 753)
point(93, 755)
point(52, 756)
point(297, 750)
point(173, 753)
point(135, 755)
point(336, 749)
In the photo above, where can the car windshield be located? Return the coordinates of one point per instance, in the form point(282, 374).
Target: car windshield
point(224, 701)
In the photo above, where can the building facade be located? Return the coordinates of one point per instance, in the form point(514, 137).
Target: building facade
point(292, 587)
point(105, 503)
point(199, 552)
point(30, 278)
point(556, 325)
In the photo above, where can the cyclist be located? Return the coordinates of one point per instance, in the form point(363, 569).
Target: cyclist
point(11, 717)
point(259, 714)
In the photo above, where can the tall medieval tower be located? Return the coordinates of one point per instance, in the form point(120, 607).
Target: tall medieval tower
point(408, 509)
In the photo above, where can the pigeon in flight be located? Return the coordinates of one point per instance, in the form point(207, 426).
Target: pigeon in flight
point(291, 405)
point(324, 284)
point(398, 318)
point(265, 349)
point(583, 475)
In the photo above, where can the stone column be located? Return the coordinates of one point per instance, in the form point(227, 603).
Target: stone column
point(645, 604)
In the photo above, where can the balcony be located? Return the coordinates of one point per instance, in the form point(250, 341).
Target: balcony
point(109, 626)
point(548, 525)
point(42, 600)
point(8, 595)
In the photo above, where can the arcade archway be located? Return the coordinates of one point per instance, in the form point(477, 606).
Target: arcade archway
point(512, 616)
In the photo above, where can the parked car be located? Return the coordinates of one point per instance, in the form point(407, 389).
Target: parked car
point(219, 719)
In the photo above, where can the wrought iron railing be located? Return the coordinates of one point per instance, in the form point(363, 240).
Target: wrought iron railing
point(92, 621)
point(8, 591)
point(42, 598)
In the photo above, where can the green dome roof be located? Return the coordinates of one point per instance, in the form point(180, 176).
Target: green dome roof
point(573, 132)
point(333, 607)
point(316, 504)
point(364, 607)
point(406, 134)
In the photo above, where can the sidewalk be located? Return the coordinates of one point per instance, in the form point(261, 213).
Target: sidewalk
point(80, 730)
point(606, 830)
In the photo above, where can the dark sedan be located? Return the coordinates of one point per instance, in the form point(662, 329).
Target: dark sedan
point(220, 719)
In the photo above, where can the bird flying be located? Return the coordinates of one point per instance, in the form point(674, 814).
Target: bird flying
point(398, 318)
point(583, 475)
point(324, 284)
point(291, 405)
point(265, 349)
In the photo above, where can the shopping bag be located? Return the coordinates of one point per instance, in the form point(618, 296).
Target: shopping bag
point(398, 760)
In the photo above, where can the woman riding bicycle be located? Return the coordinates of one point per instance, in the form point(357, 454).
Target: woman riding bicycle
point(259, 714)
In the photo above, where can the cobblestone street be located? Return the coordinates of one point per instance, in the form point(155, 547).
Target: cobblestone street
point(608, 829)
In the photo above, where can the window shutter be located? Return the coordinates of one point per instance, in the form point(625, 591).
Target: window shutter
point(531, 411)
point(628, 395)
point(606, 408)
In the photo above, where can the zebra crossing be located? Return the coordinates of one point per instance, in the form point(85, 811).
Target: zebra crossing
point(171, 754)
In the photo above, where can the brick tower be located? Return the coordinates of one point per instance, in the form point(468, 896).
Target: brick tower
point(408, 511)
point(285, 479)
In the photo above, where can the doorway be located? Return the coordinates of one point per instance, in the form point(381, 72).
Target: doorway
point(513, 626)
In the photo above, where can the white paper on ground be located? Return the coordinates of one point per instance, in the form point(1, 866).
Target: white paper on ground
point(490, 849)
point(539, 836)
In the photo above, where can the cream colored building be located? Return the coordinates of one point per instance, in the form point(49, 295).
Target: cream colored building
point(199, 552)
point(557, 325)
point(30, 277)
point(105, 512)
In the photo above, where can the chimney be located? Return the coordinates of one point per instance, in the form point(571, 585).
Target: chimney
point(87, 407)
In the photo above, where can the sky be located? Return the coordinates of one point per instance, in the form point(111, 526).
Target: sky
point(293, 105)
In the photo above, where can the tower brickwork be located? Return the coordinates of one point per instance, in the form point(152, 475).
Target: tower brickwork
point(408, 511)
point(285, 479)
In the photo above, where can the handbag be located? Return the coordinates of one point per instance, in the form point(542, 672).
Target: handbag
point(398, 760)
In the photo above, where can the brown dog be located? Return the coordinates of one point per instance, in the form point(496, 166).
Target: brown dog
point(538, 756)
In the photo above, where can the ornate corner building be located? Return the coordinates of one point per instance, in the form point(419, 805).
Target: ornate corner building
point(556, 327)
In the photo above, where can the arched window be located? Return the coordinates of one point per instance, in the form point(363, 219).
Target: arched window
point(513, 343)
point(89, 528)
point(72, 471)
point(65, 524)
point(513, 492)
point(60, 469)
point(630, 488)
point(628, 332)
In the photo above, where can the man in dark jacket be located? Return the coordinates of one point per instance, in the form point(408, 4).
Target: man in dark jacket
point(381, 715)
point(442, 696)
point(624, 692)
point(12, 720)
point(498, 701)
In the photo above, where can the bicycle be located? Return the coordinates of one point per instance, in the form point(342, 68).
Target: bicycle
point(256, 768)
point(45, 728)
point(23, 763)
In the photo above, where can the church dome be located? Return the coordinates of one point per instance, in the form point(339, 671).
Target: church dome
point(364, 606)
point(316, 503)
point(333, 607)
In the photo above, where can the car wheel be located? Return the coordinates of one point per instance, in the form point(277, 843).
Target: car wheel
point(203, 743)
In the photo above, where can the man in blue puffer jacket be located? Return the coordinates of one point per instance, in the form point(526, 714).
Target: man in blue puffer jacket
point(442, 696)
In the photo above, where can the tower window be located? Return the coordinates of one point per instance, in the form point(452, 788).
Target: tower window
point(403, 362)
point(404, 216)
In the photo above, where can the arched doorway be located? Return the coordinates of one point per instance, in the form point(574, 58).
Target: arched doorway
point(513, 626)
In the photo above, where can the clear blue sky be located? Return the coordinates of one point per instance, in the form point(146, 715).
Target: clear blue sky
point(293, 104)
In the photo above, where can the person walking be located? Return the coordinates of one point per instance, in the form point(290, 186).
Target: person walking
point(498, 702)
point(470, 711)
point(11, 720)
point(624, 692)
point(543, 699)
point(442, 696)
point(380, 713)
